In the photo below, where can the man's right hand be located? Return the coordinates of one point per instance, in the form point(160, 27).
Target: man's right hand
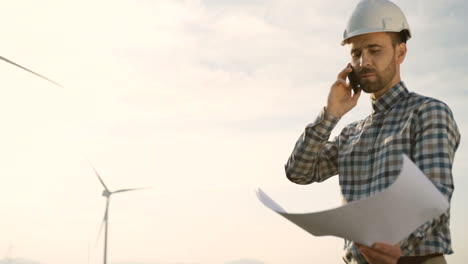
point(340, 98)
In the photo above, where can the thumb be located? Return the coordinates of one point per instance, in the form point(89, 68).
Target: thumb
point(356, 96)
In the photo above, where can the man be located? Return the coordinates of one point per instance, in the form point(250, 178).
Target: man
point(367, 154)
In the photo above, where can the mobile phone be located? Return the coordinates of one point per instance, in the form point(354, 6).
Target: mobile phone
point(354, 80)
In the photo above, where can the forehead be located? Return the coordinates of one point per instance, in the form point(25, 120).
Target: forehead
point(380, 38)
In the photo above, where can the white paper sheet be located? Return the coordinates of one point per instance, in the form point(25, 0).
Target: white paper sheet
point(388, 216)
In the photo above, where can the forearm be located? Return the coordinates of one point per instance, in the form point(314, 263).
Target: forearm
point(314, 158)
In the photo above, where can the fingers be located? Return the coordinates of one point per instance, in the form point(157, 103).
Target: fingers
point(341, 78)
point(340, 98)
point(392, 250)
point(343, 82)
point(380, 253)
point(376, 257)
point(356, 96)
point(344, 73)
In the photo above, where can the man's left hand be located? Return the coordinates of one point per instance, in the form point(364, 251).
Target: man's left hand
point(380, 253)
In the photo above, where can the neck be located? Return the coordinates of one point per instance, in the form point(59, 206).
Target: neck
point(379, 93)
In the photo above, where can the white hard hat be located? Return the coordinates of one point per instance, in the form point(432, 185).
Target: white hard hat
point(375, 16)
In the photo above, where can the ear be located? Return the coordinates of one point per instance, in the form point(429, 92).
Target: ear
point(400, 52)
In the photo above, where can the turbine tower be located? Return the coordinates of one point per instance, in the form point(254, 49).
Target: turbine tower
point(28, 70)
point(9, 254)
point(105, 221)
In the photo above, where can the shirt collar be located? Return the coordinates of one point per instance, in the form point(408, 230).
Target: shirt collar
point(389, 98)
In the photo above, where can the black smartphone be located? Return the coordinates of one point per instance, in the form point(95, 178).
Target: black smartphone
point(354, 80)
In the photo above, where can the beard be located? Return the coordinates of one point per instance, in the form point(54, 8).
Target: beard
point(382, 79)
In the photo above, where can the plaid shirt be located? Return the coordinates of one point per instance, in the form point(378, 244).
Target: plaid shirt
point(367, 156)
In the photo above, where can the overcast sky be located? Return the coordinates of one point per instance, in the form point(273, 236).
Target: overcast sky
point(202, 100)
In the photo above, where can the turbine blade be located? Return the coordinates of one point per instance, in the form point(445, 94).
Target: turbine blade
point(28, 70)
point(132, 189)
point(99, 177)
point(104, 220)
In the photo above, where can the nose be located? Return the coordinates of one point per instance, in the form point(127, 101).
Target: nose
point(364, 60)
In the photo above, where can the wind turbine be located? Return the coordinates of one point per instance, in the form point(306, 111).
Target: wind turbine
point(28, 70)
point(9, 254)
point(105, 221)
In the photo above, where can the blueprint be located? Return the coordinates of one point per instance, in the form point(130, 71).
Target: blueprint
point(388, 216)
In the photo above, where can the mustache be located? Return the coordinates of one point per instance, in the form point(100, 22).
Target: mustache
point(366, 71)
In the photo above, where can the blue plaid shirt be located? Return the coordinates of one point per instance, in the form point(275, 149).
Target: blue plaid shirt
point(367, 156)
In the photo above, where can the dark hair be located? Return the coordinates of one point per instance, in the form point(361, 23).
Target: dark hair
point(398, 37)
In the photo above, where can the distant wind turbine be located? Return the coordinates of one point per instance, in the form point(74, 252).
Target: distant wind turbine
point(9, 254)
point(107, 193)
point(28, 70)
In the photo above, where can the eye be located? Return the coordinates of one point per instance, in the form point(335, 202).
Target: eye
point(356, 55)
point(374, 51)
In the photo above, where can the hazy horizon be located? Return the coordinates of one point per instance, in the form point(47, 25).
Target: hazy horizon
point(27, 261)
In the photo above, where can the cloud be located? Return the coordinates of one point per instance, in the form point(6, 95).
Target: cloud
point(231, 62)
